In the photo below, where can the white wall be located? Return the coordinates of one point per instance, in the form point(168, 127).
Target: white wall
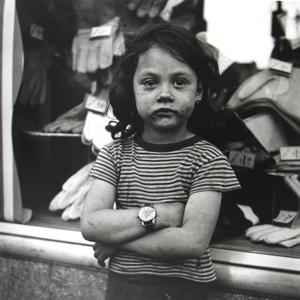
point(241, 29)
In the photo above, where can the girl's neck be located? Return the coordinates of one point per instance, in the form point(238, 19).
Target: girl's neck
point(166, 137)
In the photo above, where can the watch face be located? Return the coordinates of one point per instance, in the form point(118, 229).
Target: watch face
point(147, 213)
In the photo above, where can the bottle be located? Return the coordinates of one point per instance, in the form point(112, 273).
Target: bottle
point(277, 30)
point(282, 49)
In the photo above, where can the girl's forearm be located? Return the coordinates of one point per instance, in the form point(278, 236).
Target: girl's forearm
point(120, 226)
point(112, 226)
point(168, 244)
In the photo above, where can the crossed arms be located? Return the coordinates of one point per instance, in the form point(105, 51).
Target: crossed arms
point(181, 231)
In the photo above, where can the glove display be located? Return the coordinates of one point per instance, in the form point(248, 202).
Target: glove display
point(92, 53)
point(34, 87)
point(274, 235)
point(71, 197)
point(70, 122)
point(94, 132)
point(98, 112)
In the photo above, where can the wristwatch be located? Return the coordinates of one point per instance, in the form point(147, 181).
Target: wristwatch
point(147, 216)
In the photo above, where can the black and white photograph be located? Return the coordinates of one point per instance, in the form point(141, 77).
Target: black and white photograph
point(149, 150)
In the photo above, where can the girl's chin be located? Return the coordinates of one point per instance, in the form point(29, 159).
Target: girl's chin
point(167, 126)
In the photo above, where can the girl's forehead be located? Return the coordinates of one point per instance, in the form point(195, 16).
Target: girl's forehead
point(160, 62)
point(159, 57)
point(156, 52)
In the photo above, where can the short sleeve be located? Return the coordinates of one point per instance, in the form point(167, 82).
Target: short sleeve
point(214, 175)
point(104, 167)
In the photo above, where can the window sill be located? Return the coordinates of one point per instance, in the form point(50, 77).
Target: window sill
point(68, 246)
point(238, 268)
point(46, 244)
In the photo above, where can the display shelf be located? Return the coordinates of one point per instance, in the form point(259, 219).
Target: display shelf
point(242, 244)
point(51, 134)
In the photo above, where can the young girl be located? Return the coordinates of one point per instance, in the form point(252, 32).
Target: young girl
point(165, 180)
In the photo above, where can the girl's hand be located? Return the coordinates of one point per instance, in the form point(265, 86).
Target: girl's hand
point(102, 252)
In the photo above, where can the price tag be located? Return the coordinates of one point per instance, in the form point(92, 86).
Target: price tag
point(95, 104)
point(242, 159)
point(36, 32)
point(290, 153)
point(285, 217)
point(280, 66)
point(101, 31)
point(295, 43)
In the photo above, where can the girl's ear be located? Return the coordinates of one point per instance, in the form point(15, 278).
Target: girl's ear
point(199, 93)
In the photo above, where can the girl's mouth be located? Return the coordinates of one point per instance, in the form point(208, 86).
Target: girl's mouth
point(165, 112)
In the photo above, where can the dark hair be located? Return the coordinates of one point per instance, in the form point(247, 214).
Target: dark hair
point(184, 46)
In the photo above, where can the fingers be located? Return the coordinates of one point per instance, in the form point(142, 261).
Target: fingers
point(157, 7)
point(98, 256)
point(133, 4)
point(97, 253)
point(81, 61)
point(74, 54)
point(95, 246)
point(119, 44)
point(144, 8)
point(101, 261)
point(80, 51)
point(92, 60)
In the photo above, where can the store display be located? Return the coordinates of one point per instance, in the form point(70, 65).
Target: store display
point(291, 242)
point(281, 235)
point(35, 85)
point(71, 197)
point(69, 52)
point(258, 233)
point(268, 100)
point(70, 121)
point(274, 235)
point(94, 132)
point(94, 48)
point(278, 90)
point(233, 76)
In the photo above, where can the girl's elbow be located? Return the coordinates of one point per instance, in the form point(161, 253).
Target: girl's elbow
point(92, 233)
point(199, 248)
point(86, 230)
point(87, 236)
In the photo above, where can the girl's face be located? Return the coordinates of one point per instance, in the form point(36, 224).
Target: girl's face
point(165, 90)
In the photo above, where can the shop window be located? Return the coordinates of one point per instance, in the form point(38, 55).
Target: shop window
point(45, 157)
point(47, 144)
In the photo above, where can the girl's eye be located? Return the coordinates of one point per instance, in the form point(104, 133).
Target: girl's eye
point(180, 83)
point(149, 83)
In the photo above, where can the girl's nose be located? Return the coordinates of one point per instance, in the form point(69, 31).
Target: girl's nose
point(165, 94)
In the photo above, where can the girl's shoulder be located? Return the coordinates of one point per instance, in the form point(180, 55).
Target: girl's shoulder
point(119, 144)
point(206, 146)
point(207, 151)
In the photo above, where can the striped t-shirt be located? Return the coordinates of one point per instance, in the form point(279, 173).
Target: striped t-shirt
point(159, 173)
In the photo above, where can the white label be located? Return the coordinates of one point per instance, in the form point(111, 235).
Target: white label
point(295, 43)
point(290, 153)
point(281, 66)
point(37, 32)
point(95, 104)
point(285, 216)
point(242, 159)
point(101, 31)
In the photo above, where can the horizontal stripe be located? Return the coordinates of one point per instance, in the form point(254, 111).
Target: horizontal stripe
point(146, 176)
